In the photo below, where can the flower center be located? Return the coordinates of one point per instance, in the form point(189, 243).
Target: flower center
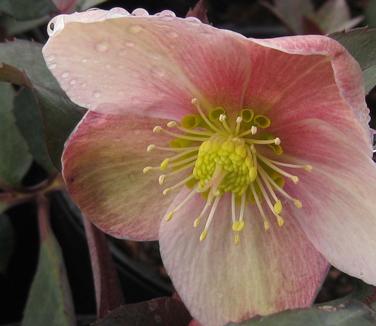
point(220, 155)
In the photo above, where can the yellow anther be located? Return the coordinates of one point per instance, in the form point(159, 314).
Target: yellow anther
point(308, 168)
point(150, 147)
point(252, 174)
point(172, 124)
point(157, 129)
point(294, 179)
point(166, 191)
point(277, 208)
point(147, 169)
point(161, 179)
point(277, 141)
point(169, 216)
point(197, 221)
point(238, 226)
point(164, 164)
point(266, 225)
point(280, 221)
point(203, 235)
point(298, 203)
point(237, 238)
point(253, 130)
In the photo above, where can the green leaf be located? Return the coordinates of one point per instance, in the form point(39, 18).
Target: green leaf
point(50, 301)
point(26, 9)
point(15, 158)
point(370, 13)
point(336, 313)
point(13, 26)
point(29, 120)
point(361, 43)
point(160, 311)
point(6, 242)
point(24, 65)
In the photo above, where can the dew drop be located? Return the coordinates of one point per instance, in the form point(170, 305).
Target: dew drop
point(193, 20)
point(72, 82)
point(101, 47)
point(166, 13)
point(50, 58)
point(140, 12)
point(65, 74)
point(167, 18)
point(84, 60)
point(52, 66)
point(97, 94)
point(135, 29)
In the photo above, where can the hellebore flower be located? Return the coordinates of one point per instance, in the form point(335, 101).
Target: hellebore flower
point(250, 160)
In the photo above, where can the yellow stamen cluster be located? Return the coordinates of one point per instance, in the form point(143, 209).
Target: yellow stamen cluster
point(222, 156)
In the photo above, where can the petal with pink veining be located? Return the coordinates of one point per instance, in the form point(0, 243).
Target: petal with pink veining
point(306, 76)
point(338, 213)
point(136, 63)
point(222, 282)
point(102, 166)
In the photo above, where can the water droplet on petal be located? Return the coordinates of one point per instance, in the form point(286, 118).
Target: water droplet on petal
point(140, 12)
point(72, 82)
point(50, 58)
point(52, 66)
point(97, 94)
point(118, 12)
point(193, 20)
point(65, 74)
point(135, 29)
point(101, 47)
point(84, 60)
point(166, 13)
point(167, 18)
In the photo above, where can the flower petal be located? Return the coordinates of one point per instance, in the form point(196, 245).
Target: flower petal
point(221, 282)
point(338, 196)
point(102, 166)
point(134, 63)
point(306, 75)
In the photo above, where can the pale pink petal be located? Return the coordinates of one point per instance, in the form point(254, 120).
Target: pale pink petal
point(137, 63)
point(102, 167)
point(221, 282)
point(306, 77)
point(338, 196)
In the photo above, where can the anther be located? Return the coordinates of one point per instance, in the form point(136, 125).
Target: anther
point(169, 216)
point(147, 169)
point(277, 208)
point(164, 164)
point(237, 238)
point(150, 148)
point(238, 226)
point(222, 117)
point(203, 235)
point(280, 221)
point(277, 141)
point(308, 168)
point(161, 179)
point(294, 179)
point(172, 124)
point(157, 129)
point(197, 221)
point(238, 124)
point(298, 203)
point(253, 130)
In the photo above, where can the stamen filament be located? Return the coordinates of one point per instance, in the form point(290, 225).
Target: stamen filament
point(210, 218)
point(170, 215)
point(203, 116)
point(238, 124)
point(177, 156)
point(198, 219)
point(178, 170)
point(306, 167)
point(170, 149)
point(187, 137)
point(223, 120)
point(296, 202)
point(294, 178)
point(265, 219)
point(187, 160)
point(173, 124)
point(233, 207)
point(271, 191)
point(275, 141)
point(179, 184)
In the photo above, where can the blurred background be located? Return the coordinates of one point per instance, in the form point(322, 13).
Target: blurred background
point(141, 272)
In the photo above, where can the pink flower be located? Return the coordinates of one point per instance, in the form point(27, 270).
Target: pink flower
point(261, 148)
